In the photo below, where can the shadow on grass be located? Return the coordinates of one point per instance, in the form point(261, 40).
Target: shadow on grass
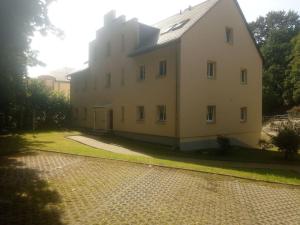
point(24, 197)
point(14, 143)
point(235, 154)
point(236, 158)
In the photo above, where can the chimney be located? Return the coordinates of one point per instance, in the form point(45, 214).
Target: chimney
point(190, 8)
point(109, 17)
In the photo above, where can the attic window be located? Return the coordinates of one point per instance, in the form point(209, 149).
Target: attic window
point(175, 26)
point(180, 24)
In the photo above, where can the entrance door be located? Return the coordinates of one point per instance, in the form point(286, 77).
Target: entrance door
point(111, 120)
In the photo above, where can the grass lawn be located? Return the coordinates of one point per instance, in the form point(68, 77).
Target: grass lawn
point(205, 161)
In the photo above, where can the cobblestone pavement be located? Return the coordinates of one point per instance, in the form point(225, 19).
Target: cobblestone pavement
point(49, 188)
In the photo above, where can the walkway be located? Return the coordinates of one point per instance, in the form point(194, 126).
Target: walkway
point(59, 189)
point(107, 147)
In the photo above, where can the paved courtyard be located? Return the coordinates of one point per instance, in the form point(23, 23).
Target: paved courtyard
point(48, 188)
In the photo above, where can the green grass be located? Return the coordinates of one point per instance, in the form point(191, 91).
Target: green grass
point(232, 164)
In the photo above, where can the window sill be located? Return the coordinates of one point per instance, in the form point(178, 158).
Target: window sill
point(210, 122)
point(161, 76)
point(161, 122)
point(211, 78)
point(243, 121)
point(140, 121)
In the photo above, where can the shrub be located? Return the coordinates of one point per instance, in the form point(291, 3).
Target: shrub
point(224, 144)
point(287, 140)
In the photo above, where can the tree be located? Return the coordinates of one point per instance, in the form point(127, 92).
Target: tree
point(45, 109)
point(274, 34)
point(287, 140)
point(294, 70)
point(19, 20)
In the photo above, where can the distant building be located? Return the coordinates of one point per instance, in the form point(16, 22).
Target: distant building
point(183, 81)
point(62, 86)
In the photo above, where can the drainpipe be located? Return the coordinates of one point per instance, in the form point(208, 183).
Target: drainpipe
point(177, 95)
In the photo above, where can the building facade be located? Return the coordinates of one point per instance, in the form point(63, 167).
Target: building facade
point(60, 86)
point(183, 81)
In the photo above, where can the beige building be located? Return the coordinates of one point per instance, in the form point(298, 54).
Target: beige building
point(61, 86)
point(183, 81)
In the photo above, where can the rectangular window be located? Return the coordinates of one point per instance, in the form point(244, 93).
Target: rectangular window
point(229, 35)
point(142, 73)
point(211, 114)
point(84, 113)
point(108, 49)
point(140, 113)
point(122, 114)
point(108, 80)
point(243, 114)
point(211, 70)
point(161, 113)
point(122, 77)
point(123, 43)
point(163, 68)
point(244, 76)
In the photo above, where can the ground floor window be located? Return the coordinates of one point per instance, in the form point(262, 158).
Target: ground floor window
point(140, 113)
point(161, 113)
point(243, 114)
point(211, 114)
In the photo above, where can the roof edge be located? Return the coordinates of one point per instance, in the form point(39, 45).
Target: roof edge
point(248, 28)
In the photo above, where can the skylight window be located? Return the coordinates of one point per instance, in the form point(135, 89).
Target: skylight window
point(180, 24)
point(175, 26)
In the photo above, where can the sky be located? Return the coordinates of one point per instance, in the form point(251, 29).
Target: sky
point(80, 19)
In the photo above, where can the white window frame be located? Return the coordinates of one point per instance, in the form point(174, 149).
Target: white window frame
point(243, 114)
point(229, 35)
point(142, 73)
point(244, 76)
point(163, 65)
point(211, 70)
point(140, 113)
point(211, 114)
point(161, 113)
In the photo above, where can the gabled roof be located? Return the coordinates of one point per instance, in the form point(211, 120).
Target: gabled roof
point(172, 28)
point(175, 26)
point(188, 18)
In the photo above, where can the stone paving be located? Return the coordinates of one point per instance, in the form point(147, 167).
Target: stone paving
point(50, 188)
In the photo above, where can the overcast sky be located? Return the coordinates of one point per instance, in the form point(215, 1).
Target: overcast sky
point(80, 19)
